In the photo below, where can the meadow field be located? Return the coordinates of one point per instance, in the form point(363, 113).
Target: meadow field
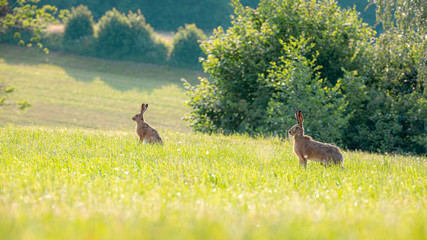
point(71, 166)
point(89, 92)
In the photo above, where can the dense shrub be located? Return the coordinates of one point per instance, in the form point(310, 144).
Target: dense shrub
point(240, 61)
point(145, 45)
point(393, 116)
point(356, 91)
point(79, 24)
point(114, 36)
point(128, 37)
point(79, 31)
point(297, 84)
point(168, 15)
point(186, 50)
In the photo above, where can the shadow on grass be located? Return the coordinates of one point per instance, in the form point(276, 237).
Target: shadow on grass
point(120, 75)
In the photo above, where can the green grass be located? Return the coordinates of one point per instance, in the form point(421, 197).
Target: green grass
point(88, 92)
point(58, 183)
point(71, 167)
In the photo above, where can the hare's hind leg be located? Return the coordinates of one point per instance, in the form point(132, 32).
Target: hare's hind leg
point(302, 162)
point(154, 140)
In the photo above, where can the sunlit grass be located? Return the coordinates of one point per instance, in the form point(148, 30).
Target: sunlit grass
point(66, 90)
point(58, 183)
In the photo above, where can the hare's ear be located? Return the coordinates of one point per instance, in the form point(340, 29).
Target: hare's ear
point(143, 108)
point(300, 119)
point(296, 116)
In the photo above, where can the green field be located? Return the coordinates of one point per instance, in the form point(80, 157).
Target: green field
point(71, 167)
point(88, 92)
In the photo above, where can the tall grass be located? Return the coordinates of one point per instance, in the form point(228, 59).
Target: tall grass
point(59, 183)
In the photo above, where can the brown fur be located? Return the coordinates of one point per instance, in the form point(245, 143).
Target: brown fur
point(307, 148)
point(144, 130)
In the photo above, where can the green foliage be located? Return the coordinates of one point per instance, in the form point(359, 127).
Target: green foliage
point(405, 15)
point(24, 104)
point(392, 117)
point(5, 91)
point(24, 16)
point(79, 24)
point(240, 60)
point(79, 31)
point(146, 47)
point(186, 50)
point(165, 15)
point(128, 37)
point(297, 85)
point(114, 35)
point(168, 15)
point(358, 93)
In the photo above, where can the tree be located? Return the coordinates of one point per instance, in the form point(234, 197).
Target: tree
point(240, 60)
point(392, 119)
point(186, 47)
point(24, 15)
point(79, 24)
point(358, 91)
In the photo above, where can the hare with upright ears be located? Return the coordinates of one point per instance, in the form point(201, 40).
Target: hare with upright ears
point(144, 130)
point(307, 148)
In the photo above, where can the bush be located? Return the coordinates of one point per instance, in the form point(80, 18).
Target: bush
point(284, 55)
point(114, 36)
point(146, 47)
point(241, 62)
point(392, 118)
point(79, 32)
point(128, 37)
point(297, 84)
point(79, 24)
point(186, 50)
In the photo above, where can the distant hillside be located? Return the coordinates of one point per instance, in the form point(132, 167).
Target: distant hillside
point(168, 15)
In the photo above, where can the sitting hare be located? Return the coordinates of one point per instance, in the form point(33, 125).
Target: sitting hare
point(307, 148)
point(144, 130)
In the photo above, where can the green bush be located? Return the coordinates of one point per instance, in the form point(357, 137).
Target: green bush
point(128, 37)
point(186, 50)
point(356, 91)
point(393, 116)
point(79, 32)
point(145, 45)
point(79, 24)
point(297, 84)
point(241, 60)
point(114, 36)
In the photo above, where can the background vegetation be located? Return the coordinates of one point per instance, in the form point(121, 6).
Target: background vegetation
point(167, 15)
point(357, 91)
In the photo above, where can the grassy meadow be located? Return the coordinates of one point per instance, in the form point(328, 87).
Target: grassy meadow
point(89, 92)
point(71, 167)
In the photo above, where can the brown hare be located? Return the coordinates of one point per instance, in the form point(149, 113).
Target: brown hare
point(307, 148)
point(144, 130)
